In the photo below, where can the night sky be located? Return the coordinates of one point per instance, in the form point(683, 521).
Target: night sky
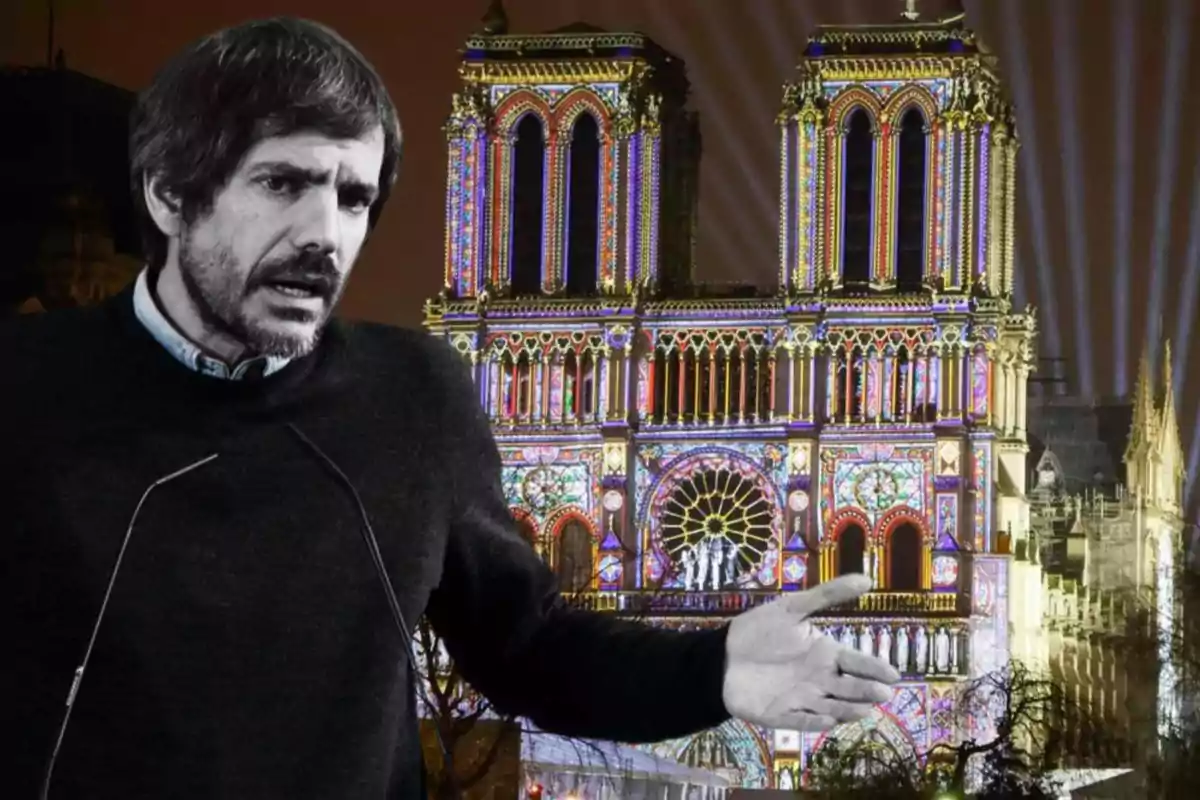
point(1106, 94)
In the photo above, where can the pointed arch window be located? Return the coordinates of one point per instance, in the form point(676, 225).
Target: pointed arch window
point(851, 548)
point(528, 206)
point(912, 158)
point(573, 557)
point(904, 558)
point(583, 206)
point(858, 170)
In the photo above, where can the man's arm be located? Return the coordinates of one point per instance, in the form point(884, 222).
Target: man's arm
point(503, 621)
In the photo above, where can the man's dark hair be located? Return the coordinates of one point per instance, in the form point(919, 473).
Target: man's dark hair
point(225, 93)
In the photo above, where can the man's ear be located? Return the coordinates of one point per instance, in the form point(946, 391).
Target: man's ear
point(163, 205)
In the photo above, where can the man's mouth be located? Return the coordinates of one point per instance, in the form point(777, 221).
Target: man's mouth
point(300, 289)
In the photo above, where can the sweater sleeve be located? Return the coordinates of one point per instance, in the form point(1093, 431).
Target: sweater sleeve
point(498, 611)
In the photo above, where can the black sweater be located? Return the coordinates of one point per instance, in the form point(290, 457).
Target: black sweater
point(248, 650)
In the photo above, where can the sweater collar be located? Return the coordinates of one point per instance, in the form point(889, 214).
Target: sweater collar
point(187, 352)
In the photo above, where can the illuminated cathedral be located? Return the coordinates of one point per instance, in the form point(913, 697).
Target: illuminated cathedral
point(682, 452)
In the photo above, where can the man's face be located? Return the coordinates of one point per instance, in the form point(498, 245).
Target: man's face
point(266, 266)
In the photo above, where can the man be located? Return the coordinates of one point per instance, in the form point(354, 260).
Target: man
point(215, 493)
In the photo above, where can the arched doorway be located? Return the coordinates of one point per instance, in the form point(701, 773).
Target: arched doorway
point(851, 548)
point(573, 556)
point(866, 748)
point(904, 558)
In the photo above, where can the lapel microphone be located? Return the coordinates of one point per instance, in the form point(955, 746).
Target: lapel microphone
point(73, 692)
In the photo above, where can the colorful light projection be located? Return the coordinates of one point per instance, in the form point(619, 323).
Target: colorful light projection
point(902, 725)
point(481, 136)
point(967, 194)
point(732, 747)
point(547, 479)
point(981, 480)
point(876, 478)
point(711, 515)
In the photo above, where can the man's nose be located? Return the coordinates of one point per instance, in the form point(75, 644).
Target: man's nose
point(319, 224)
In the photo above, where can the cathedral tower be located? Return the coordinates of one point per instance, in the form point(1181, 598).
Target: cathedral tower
point(572, 166)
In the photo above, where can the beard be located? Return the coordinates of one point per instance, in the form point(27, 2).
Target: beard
point(221, 290)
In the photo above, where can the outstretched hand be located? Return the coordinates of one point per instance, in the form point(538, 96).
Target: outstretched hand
point(781, 672)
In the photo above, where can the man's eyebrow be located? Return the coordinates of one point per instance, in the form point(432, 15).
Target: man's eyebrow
point(368, 192)
point(317, 177)
point(290, 170)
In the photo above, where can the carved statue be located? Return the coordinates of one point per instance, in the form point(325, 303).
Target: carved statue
point(652, 111)
point(625, 118)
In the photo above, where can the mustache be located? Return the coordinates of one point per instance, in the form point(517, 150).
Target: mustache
point(314, 271)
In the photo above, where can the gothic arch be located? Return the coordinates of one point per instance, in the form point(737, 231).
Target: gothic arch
point(561, 516)
point(849, 101)
point(902, 101)
point(844, 519)
point(516, 106)
point(897, 517)
point(747, 744)
point(572, 559)
point(584, 217)
point(578, 101)
point(913, 576)
point(691, 460)
point(881, 726)
point(834, 547)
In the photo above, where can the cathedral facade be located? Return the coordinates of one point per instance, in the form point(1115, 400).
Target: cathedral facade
point(681, 452)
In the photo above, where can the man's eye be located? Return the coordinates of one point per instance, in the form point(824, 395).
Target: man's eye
point(280, 185)
point(355, 203)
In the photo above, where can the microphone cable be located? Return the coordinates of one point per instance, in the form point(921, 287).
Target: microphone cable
point(369, 538)
point(77, 681)
point(368, 535)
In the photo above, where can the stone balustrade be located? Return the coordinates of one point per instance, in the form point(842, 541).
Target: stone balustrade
point(682, 603)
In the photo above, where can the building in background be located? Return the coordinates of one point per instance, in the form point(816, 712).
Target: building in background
point(72, 238)
point(684, 452)
point(1106, 536)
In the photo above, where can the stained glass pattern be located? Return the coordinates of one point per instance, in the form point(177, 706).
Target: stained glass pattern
point(945, 572)
point(941, 714)
point(982, 479)
point(874, 488)
point(744, 745)
point(947, 522)
point(546, 480)
point(980, 384)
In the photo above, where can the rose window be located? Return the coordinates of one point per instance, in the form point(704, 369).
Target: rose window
point(716, 517)
point(876, 490)
point(542, 489)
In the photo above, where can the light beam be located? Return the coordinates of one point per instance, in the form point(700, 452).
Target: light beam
point(1066, 83)
point(1125, 44)
point(1030, 165)
point(1175, 59)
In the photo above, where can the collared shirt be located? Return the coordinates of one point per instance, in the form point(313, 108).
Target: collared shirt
point(145, 305)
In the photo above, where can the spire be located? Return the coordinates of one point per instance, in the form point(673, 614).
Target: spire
point(1169, 445)
point(910, 12)
point(495, 20)
point(1141, 425)
point(1168, 382)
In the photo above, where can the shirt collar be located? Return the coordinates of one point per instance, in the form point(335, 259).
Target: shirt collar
point(186, 352)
